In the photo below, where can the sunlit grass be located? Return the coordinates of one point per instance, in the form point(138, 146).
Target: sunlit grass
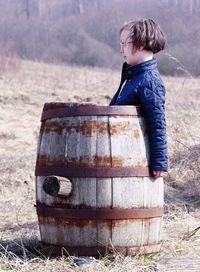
point(23, 91)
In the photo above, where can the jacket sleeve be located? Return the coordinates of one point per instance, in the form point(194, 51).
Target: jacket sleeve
point(152, 100)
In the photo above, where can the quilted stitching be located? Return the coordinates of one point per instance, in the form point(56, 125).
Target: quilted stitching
point(144, 87)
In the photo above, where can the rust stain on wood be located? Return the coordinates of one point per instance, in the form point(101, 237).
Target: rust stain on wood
point(109, 224)
point(49, 160)
point(84, 127)
point(82, 161)
point(119, 128)
point(103, 160)
point(54, 126)
point(136, 134)
point(123, 223)
point(74, 223)
point(102, 127)
point(42, 159)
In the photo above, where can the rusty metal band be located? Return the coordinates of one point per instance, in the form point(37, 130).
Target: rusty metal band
point(91, 111)
point(47, 170)
point(59, 250)
point(98, 213)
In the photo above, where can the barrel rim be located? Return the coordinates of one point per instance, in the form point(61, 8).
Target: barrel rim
point(58, 110)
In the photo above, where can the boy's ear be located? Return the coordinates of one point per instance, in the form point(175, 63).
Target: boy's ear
point(141, 48)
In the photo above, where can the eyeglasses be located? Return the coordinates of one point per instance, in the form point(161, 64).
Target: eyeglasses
point(122, 44)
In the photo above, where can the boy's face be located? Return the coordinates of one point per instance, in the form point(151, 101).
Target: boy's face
point(131, 55)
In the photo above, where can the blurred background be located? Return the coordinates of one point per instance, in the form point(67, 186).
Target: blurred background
point(68, 51)
point(86, 32)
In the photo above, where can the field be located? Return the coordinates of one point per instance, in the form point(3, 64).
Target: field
point(24, 88)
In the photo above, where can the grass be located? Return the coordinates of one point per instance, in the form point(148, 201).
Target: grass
point(23, 91)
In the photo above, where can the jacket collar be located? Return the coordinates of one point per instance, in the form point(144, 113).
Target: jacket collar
point(140, 68)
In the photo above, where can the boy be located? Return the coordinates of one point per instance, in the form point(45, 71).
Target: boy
point(141, 85)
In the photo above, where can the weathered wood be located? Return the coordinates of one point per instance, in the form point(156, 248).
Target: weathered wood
point(127, 142)
point(136, 192)
point(81, 147)
point(103, 185)
point(99, 142)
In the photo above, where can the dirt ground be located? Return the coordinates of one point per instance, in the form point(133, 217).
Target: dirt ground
point(24, 89)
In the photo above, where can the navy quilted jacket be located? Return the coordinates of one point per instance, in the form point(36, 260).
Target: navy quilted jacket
point(141, 85)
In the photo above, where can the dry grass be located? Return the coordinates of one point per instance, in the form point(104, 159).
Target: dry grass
point(22, 95)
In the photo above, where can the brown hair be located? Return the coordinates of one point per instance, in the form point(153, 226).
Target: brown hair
point(147, 34)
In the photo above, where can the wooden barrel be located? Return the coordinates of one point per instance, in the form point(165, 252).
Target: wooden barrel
point(102, 151)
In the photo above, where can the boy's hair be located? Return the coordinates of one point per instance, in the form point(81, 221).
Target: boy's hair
point(145, 33)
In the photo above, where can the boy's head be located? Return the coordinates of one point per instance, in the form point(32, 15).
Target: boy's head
point(145, 34)
point(139, 40)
